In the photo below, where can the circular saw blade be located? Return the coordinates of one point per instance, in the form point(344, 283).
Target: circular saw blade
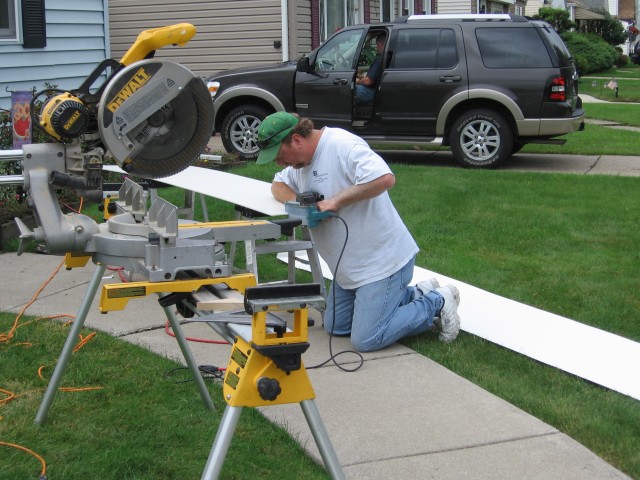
point(155, 117)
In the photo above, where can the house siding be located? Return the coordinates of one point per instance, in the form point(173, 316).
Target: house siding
point(453, 6)
point(300, 29)
point(626, 10)
point(77, 41)
point(229, 33)
point(533, 7)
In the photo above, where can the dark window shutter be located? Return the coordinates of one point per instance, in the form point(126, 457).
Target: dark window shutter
point(315, 23)
point(34, 25)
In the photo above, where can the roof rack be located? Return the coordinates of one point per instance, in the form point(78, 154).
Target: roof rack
point(465, 17)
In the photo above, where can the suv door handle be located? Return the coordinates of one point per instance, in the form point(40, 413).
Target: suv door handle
point(340, 81)
point(450, 78)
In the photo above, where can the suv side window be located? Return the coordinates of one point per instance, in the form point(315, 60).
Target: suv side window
point(339, 51)
point(425, 48)
point(512, 48)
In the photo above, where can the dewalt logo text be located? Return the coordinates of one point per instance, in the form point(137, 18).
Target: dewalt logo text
point(72, 120)
point(139, 79)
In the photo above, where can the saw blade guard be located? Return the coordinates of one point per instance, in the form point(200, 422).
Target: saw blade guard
point(155, 118)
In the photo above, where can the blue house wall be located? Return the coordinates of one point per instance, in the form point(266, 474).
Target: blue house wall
point(77, 40)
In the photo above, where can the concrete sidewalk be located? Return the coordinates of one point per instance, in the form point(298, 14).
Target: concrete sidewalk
point(399, 416)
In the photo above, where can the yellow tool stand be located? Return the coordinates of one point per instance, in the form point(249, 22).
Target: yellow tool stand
point(265, 368)
point(116, 297)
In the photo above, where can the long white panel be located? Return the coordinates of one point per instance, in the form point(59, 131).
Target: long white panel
point(249, 193)
point(590, 353)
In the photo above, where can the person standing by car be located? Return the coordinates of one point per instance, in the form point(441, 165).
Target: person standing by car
point(370, 297)
point(365, 86)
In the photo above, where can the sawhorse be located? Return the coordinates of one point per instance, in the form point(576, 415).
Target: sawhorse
point(291, 245)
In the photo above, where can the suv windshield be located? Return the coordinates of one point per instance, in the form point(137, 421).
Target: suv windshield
point(339, 51)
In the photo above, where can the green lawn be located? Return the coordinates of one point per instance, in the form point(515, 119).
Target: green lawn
point(622, 113)
point(141, 424)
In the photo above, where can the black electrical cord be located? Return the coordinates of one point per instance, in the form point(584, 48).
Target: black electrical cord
point(332, 356)
point(207, 371)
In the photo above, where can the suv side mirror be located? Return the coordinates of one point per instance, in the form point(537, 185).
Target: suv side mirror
point(304, 65)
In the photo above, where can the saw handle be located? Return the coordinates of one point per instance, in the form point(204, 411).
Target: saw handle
point(151, 40)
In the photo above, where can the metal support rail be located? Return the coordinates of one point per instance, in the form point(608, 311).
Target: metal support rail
point(11, 156)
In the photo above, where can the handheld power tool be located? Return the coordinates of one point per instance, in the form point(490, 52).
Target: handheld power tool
point(305, 208)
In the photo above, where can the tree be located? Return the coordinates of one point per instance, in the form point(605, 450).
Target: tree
point(609, 29)
point(557, 17)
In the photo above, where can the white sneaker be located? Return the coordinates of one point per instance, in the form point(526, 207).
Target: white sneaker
point(449, 322)
point(427, 286)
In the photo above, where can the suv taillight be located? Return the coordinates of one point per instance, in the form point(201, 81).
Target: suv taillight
point(558, 92)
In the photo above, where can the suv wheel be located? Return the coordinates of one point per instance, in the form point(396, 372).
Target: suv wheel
point(481, 139)
point(240, 131)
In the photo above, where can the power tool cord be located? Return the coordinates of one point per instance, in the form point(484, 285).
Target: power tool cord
point(332, 356)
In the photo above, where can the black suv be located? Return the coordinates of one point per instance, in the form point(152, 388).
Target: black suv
point(484, 85)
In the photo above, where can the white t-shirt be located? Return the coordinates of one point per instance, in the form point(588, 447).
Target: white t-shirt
point(379, 243)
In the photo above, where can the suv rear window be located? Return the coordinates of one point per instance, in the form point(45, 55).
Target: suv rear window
point(512, 48)
point(426, 48)
point(558, 46)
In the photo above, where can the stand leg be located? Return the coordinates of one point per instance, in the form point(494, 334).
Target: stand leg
point(314, 262)
point(321, 437)
point(221, 443)
point(69, 344)
point(188, 356)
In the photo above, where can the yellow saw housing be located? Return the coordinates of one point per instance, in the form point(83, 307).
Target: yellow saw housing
point(64, 116)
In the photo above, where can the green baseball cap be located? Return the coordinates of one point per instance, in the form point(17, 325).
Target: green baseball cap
point(273, 130)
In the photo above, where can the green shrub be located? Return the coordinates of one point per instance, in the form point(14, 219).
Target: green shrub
point(594, 54)
point(622, 60)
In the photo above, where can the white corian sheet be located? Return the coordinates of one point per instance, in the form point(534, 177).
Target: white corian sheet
point(249, 193)
point(590, 353)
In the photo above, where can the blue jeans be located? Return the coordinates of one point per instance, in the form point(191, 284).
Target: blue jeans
point(364, 94)
point(381, 313)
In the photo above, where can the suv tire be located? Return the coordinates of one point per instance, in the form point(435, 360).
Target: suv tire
point(240, 131)
point(481, 138)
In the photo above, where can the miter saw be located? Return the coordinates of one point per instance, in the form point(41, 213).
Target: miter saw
point(154, 118)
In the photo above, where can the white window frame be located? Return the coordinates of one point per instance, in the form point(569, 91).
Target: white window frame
point(393, 7)
point(12, 33)
point(410, 7)
point(352, 14)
